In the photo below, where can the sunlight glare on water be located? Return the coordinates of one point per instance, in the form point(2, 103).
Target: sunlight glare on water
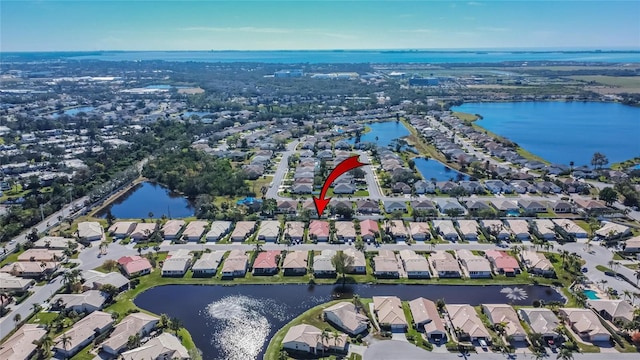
point(241, 327)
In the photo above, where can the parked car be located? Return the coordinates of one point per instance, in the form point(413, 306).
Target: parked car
point(584, 269)
point(610, 273)
point(483, 344)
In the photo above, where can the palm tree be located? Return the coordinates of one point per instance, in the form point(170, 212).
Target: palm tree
point(133, 341)
point(564, 254)
point(565, 354)
point(258, 247)
point(164, 321)
point(342, 263)
point(337, 339)
point(36, 308)
point(626, 294)
point(17, 318)
point(44, 346)
point(637, 275)
point(324, 337)
point(283, 355)
point(65, 340)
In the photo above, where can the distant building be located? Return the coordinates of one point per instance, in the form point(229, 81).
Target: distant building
point(291, 73)
point(430, 81)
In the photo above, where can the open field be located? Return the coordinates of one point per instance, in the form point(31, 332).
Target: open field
point(631, 82)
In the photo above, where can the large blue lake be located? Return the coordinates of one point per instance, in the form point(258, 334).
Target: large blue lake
point(149, 197)
point(237, 322)
point(561, 132)
point(363, 56)
point(433, 169)
point(385, 132)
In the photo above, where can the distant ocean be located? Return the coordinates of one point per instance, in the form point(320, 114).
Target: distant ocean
point(348, 56)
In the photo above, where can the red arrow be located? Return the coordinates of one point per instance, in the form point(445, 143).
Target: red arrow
point(346, 165)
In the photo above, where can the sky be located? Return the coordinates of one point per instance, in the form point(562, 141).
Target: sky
point(89, 25)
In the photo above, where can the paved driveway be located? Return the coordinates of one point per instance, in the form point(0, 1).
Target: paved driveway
point(394, 349)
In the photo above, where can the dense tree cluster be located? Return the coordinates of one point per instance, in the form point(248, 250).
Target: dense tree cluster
point(192, 173)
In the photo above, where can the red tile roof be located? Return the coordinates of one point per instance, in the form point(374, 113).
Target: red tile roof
point(266, 260)
point(319, 227)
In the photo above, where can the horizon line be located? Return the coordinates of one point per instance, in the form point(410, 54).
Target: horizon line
point(487, 49)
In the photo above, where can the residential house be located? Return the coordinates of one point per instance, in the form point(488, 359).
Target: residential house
point(287, 207)
point(90, 231)
point(194, 230)
point(446, 229)
point(295, 263)
point(207, 264)
point(427, 320)
point(592, 207)
point(345, 231)
point(586, 324)
point(541, 321)
point(496, 228)
point(424, 205)
point(632, 245)
point(266, 263)
point(295, 230)
point(389, 311)
point(135, 265)
point(476, 206)
point(243, 230)
point(136, 323)
point(172, 228)
point(14, 285)
point(468, 229)
point(503, 263)
point(161, 347)
point(367, 206)
point(505, 314)
point(545, 229)
point(618, 310)
point(536, 263)
point(346, 317)
point(394, 205)
point(319, 230)
point(369, 230)
point(218, 230)
point(420, 231)
point(359, 262)
point(30, 269)
point(88, 301)
point(444, 264)
point(176, 265)
point(424, 187)
point(235, 265)
point(54, 242)
point(82, 333)
point(142, 231)
point(506, 207)
point(385, 264)
point(322, 264)
point(448, 206)
point(562, 207)
point(571, 228)
point(94, 280)
point(466, 323)
point(475, 266)
point(22, 343)
point(497, 186)
point(416, 266)
point(41, 255)
point(610, 230)
point(269, 230)
point(519, 228)
point(306, 338)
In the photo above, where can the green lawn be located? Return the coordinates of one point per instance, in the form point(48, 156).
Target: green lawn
point(464, 116)
point(310, 317)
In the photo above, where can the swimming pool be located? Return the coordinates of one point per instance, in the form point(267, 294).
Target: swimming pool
point(592, 295)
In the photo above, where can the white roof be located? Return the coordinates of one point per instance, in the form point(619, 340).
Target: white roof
point(611, 228)
point(346, 229)
point(466, 318)
point(389, 310)
point(20, 345)
point(55, 242)
point(89, 229)
point(208, 261)
point(323, 261)
point(294, 228)
point(164, 344)
point(570, 226)
point(358, 257)
point(445, 227)
point(218, 228)
point(85, 328)
point(541, 320)
point(143, 229)
point(269, 229)
point(488, 224)
point(93, 278)
point(10, 282)
point(132, 324)
point(519, 227)
point(172, 227)
point(175, 263)
point(94, 298)
point(350, 319)
point(468, 227)
point(545, 226)
point(122, 227)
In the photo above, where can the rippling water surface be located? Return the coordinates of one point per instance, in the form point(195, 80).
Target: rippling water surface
point(237, 322)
